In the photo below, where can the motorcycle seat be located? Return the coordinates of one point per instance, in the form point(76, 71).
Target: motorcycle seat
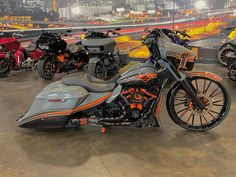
point(89, 86)
point(96, 80)
point(74, 48)
point(30, 48)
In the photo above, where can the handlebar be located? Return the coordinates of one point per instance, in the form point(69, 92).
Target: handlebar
point(183, 33)
point(100, 34)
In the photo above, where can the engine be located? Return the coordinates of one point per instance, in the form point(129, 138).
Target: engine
point(140, 100)
point(28, 63)
point(131, 105)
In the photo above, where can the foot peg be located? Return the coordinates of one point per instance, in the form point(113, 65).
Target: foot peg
point(103, 130)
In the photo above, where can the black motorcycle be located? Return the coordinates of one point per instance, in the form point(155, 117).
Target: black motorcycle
point(59, 57)
point(105, 59)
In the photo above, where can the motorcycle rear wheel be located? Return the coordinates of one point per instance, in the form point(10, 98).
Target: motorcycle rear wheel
point(4, 68)
point(213, 94)
point(46, 69)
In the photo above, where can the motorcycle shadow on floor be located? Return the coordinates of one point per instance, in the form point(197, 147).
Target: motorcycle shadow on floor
point(76, 146)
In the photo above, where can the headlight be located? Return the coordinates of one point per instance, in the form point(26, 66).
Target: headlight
point(1, 47)
point(46, 47)
point(41, 46)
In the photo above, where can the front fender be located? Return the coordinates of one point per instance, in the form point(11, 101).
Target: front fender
point(3, 55)
point(92, 65)
point(226, 44)
point(206, 74)
point(94, 60)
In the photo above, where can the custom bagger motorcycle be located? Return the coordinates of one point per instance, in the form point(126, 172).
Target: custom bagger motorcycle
point(15, 57)
point(196, 101)
point(105, 59)
point(58, 56)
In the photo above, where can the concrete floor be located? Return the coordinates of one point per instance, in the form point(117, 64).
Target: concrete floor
point(122, 152)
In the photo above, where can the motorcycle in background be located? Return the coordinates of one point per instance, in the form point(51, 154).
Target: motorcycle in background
point(227, 45)
point(15, 57)
point(59, 57)
point(196, 101)
point(105, 59)
point(231, 62)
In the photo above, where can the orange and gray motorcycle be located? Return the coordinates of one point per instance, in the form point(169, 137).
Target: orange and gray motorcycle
point(196, 101)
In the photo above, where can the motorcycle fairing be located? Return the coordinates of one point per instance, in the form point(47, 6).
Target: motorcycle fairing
point(10, 43)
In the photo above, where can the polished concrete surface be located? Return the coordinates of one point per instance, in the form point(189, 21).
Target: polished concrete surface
point(122, 152)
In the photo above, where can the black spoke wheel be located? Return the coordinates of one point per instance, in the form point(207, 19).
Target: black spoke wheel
point(223, 55)
point(4, 67)
point(188, 115)
point(46, 68)
point(232, 72)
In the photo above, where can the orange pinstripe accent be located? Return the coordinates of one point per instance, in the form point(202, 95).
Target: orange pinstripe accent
point(145, 77)
point(206, 74)
point(51, 114)
point(157, 110)
point(68, 112)
point(89, 105)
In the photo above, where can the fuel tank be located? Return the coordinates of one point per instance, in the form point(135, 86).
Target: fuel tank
point(139, 74)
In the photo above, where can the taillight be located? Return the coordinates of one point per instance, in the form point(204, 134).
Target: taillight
point(56, 100)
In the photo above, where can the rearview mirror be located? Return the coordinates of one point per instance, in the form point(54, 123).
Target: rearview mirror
point(146, 30)
point(118, 29)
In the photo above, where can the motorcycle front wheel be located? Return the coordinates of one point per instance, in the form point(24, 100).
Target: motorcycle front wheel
point(223, 55)
point(232, 72)
point(184, 112)
point(100, 71)
point(4, 67)
point(46, 68)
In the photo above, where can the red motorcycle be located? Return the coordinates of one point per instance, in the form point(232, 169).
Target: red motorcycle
point(15, 57)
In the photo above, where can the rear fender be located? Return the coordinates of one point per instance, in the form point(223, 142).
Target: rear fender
point(206, 74)
point(226, 44)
